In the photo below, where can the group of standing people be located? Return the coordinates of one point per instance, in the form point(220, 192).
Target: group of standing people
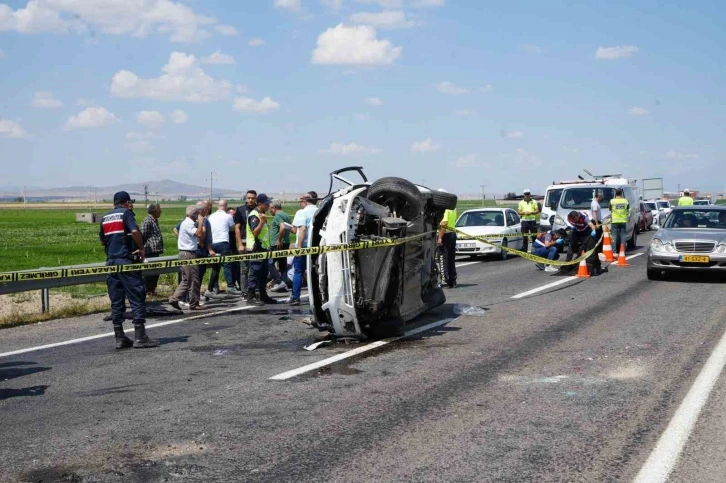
point(259, 225)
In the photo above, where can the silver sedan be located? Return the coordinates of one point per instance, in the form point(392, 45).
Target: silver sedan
point(693, 238)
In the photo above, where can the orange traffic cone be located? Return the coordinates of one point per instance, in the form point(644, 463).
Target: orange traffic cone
point(622, 262)
point(607, 247)
point(582, 271)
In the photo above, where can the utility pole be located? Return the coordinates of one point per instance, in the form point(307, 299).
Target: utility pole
point(211, 186)
point(24, 199)
point(146, 194)
point(483, 196)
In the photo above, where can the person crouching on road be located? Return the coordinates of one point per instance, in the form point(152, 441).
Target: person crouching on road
point(446, 241)
point(191, 234)
point(582, 230)
point(546, 245)
point(116, 226)
point(258, 241)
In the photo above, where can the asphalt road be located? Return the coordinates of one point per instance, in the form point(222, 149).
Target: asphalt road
point(574, 383)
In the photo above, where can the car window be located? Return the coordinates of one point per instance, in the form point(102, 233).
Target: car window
point(515, 217)
point(701, 218)
point(663, 204)
point(580, 198)
point(651, 206)
point(512, 218)
point(481, 218)
point(552, 198)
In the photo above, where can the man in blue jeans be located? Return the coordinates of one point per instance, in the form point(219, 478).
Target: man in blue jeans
point(221, 222)
point(301, 225)
point(546, 245)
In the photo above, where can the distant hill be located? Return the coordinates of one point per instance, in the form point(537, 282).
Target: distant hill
point(162, 189)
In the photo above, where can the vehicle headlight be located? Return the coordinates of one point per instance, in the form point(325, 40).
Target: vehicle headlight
point(669, 247)
point(656, 245)
point(721, 248)
point(543, 216)
point(559, 220)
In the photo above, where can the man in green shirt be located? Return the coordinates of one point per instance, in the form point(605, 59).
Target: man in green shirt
point(686, 199)
point(280, 237)
point(528, 210)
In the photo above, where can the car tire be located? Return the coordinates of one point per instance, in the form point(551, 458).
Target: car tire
point(503, 254)
point(633, 242)
point(400, 196)
point(442, 200)
point(654, 274)
point(435, 298)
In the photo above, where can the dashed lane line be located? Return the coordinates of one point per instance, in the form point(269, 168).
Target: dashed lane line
point(360, 350)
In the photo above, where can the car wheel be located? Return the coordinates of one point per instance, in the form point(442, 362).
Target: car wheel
point(400, 196)
point(654, 274)
point(446, 201)
point(503, 254)
point(632, 243)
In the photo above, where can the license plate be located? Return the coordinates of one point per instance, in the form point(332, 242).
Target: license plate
point(695, 259)
point(467, 245)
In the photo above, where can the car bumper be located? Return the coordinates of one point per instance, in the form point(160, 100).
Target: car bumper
point(672, 261)
point(475, 247)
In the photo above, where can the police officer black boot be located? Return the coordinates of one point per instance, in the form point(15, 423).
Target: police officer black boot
point(251, 299)
point(266, 299)
point(122, 342)
point(141, 340)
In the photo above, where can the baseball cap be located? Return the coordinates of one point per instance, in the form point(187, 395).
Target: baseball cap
point(263, 198)
point(526, 191)
point(122, 197)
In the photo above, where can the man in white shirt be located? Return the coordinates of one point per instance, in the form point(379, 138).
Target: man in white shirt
point(191, 233)
point(595, 209)
point(221, 223)
point(301, 226)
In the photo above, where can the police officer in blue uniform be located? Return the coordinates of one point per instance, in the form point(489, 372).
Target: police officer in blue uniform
point(118, 232)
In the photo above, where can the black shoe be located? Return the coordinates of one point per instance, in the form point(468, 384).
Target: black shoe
point(141, 340)
point(251, 300)
point(293, 302)
point(266, 299)
point(175, 304)
point(122, 342)
point(604, 270)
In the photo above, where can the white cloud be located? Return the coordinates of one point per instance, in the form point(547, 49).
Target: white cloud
point(140, 135)
point(11, 129)
point(362, 117)
point(91, 117)
point(374, 101)
point(676, 155)
point(290, 5)
point(179, 117)
point(614, 53)
point(139, 146)
point(638, 111)
point(174, 19)
point(183, 80)
point(468, 161)
point(354, 45)
point(218, 58)
point(45, 100)
point(247, 104)
point(427, 3)
point(425, 146)
point(350, 149)
point(256, 42)
point(227, 30)
point(84, 102)
point(383, 3)
point(150, 119)
point(487, 88)
point(513, 134)
point(450, 88)
point(333, 4)
point(533, 49)
point(387, 20)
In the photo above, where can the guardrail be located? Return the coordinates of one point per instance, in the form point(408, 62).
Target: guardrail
point(45, 285)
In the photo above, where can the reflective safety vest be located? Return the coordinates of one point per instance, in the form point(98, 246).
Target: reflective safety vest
point(530, 205)
point(264, 237)
point(685, 201)
point(450, 218)
point(619, 208)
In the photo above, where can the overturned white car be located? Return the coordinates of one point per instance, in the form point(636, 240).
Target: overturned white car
point(374, 292)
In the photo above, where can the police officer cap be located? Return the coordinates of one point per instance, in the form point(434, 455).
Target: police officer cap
point(122, 197)
point(526, 192)
point(686, 192)
point(262, 198)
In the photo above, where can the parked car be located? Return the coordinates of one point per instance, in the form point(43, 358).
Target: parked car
point(657, 212)
point(693, 238)
point(701, 202)
point(375, 292)
point(646, 217)
point(488, 221)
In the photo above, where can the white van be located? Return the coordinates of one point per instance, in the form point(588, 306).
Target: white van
point(549, 206)
point(578, 196)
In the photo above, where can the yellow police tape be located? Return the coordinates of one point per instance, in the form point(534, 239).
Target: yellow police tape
point(525, 255)
point(77, 272)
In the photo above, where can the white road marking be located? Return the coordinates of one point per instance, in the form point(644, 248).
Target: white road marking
point(465, 264)
point(543, 287)
point(345, 355)
point(634, 255)
point(664, 457)
point(110, 334)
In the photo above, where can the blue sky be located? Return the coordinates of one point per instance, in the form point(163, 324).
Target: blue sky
point(274, 94)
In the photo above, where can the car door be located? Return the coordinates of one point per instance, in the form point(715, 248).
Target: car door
point(514, 226)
